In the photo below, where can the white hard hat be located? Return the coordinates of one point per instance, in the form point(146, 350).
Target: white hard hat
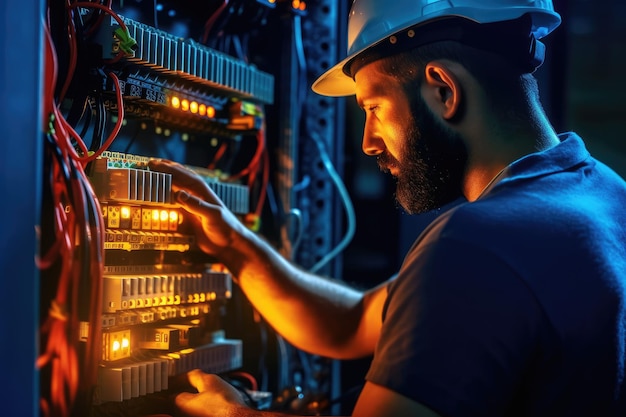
point(372, 22)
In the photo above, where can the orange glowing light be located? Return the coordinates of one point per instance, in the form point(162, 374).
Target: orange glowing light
point(202, 109)
point(184, 105)
point(125, 212)
point(210, 111)
point(175, 102)
point(193, 107)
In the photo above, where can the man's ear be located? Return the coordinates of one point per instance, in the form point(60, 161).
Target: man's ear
point(442, 90)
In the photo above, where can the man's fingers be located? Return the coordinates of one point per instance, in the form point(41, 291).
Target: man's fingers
point(193, 204)
point(186, 402)
point(184, 178)
point(184, 397)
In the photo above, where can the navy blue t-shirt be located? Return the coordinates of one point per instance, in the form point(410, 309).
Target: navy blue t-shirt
point(515, 304)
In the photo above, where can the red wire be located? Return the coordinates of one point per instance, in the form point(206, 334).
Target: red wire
point(72, 53)
point(70, 224)
point(211, 21)
point(99, 21)
point(107, 9)
point(253, 165)
point(263, 190)
point(218, 155)
point(249, 377)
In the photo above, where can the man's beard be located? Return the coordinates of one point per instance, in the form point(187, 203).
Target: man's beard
point(432, 165)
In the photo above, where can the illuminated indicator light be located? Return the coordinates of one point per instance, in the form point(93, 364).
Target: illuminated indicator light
point(155, 214)
point(158, 130)
point(295, 4)
point(164, 215)
point(210, 111)
point(125, 343)
point(272, 1)
point(184, 104)
point(174, 216)
point(116, 346)
point(175, 102)
point(193, 107)
point(302, 6)
point(202, 109)
point(125, 212)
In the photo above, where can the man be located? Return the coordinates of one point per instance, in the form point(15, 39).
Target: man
point(512, 304)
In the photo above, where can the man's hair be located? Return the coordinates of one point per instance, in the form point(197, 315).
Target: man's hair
point(509, 90)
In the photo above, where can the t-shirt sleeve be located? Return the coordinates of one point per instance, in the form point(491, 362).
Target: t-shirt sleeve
point(459, 330)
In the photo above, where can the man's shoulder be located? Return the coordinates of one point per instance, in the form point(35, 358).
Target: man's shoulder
point(472, 220)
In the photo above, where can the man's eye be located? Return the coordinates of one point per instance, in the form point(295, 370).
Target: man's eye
point(371, 109)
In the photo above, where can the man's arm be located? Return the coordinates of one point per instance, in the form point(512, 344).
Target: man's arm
point(316, 314)
point(377, 401)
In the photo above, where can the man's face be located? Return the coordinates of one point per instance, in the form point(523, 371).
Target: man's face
point(426, 157)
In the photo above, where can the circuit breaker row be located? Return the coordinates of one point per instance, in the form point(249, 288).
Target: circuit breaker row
point(141, 376)
point(185, 58)
point(123, 292)
point(119, 177)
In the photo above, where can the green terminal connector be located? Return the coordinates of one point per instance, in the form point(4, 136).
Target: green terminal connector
point(127, 43)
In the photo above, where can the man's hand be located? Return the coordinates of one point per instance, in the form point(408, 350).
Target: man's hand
point(216, 226)
point(215, 397)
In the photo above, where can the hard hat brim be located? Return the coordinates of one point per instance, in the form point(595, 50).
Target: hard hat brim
point(334, 82)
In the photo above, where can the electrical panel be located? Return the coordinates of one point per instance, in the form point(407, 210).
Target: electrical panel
point(159, 297)
point(156, 304)
point(133, 302)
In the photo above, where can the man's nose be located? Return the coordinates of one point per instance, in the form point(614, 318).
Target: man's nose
point(372, 144)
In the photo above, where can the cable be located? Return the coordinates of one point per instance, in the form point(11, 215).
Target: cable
point(211, 21)
point(74, 258)
point(345, 198)
point(156, 19)
point(297, 239)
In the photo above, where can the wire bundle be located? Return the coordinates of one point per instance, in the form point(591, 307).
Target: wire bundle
point(74, 258)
